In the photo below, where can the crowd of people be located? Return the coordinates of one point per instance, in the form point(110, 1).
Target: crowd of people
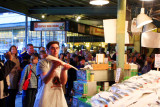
point(50, 84)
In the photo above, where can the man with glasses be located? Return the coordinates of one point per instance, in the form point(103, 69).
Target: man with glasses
point(51, 78)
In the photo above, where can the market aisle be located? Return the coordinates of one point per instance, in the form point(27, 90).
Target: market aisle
point(19, 100)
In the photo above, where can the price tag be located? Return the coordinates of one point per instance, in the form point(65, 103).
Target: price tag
point(118, 73)
point(157, 61)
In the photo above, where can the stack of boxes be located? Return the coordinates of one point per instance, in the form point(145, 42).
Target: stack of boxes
point(83, 87)
point(132, 70)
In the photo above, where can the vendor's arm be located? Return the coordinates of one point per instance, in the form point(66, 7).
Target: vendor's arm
point(47, 76)
point(63, 76)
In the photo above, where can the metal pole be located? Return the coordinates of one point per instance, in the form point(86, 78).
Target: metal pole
point(120, 38)
point(26, 30)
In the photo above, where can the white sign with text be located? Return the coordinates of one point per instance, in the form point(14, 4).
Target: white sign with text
point(157, 61)
point(118, 73)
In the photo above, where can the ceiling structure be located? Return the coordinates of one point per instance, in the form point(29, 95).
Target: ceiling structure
point(69, 9)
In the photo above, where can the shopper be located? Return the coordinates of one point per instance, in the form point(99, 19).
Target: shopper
point(42, 54)
point(28, 96)
point(61, 56)
point(41, 49)
point(14, 77)
point(147, 65)
point(5, 69)
point(72, 76)
point(25, 57)
point(53, 76)
point(81, 63)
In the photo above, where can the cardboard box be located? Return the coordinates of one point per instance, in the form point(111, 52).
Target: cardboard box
point(83, 75)
point(75, 102)
point(100, 66)
point(88, 88)
point(126, 66)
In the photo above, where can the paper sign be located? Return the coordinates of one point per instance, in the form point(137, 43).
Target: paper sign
point(150, 39)
point(157, 61)
point(99, 58)
point(134, 28)
point(118, 73)
point(105, 60)
point(110, 31)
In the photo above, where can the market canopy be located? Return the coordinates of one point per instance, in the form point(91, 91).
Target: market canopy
point(70, 9)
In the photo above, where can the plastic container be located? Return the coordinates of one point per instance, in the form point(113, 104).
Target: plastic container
point(91, 77)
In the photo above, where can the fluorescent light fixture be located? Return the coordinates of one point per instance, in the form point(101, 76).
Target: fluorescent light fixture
point(143, 19)
point(149, 27)
point(146, 0)
point(99, 2)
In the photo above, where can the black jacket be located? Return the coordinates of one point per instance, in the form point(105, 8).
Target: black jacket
point(5, 69)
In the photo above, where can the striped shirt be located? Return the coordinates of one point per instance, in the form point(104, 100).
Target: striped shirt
point(24, 75)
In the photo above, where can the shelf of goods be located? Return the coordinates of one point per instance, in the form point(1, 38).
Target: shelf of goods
point(86, 85)
point(137, 91)
point(87, 80)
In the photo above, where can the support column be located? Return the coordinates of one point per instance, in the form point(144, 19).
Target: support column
point(45, 34)
point(121, 17)
point(41, 38)
point(26, 30)
point(12, 37)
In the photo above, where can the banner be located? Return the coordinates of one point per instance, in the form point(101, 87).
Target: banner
point(81, 28)
point(96, 31)
point(150, 40)
point(49, 26)
point(110, 31)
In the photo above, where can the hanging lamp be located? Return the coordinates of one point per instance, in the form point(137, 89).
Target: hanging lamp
point(143, 19)
point(99, 2)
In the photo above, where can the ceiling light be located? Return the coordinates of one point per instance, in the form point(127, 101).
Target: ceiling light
point(43, 16)
point(77, 18)
point(149, 27)
point(143, 19)
point(99, 2)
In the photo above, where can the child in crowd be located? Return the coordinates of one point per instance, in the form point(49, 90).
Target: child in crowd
point(28, 96)
point(42, 54)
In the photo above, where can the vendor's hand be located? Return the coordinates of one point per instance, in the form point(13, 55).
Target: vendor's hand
point(55, 64)
point(66, 67)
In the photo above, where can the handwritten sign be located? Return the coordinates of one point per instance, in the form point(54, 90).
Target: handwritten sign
point(157, 61)
point(118, 73)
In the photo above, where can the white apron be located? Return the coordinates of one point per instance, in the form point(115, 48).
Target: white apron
point(51, 94)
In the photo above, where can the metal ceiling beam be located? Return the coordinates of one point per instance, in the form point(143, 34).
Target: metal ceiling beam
point(75, 10)
point(14, 7)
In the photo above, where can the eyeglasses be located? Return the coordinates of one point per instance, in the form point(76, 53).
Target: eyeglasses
point(54, 48)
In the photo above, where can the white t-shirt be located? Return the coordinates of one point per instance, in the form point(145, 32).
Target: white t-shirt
point(50, 94)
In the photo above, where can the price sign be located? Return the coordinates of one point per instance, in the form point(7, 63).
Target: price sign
point(118, 73)
point(157, 61)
